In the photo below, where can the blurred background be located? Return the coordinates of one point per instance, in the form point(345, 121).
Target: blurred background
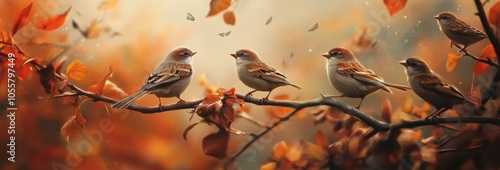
point(140, 33)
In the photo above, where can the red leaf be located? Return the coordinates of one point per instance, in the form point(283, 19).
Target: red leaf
point(394, 6)
point(215, 144)
point(494, 15)
point(21, 19)
point(217, 6)
point(48, 78)
point(52, 23)
point(229, 18)
point(487, 52)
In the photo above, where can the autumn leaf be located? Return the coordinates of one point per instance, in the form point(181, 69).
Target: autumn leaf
point(220, 108)
point(186, 131)
point(279, 150)
point(204, 83)
point(493, 15)
point(100, 85)
point(314, 28)
point(215, 144)
point(69, 128)
point(386, 111)
point(394, 6)
point(48, 78)
point(326, 113)
point(79, 118)
point(76, 70)
point(269, 166)
point(407, 106)
point(487, 52)
point(294, 152)
point(269, 20)
point(452, 62)
point(229, 18)
point(21, 19)
point(111, 90)
point(52, 23)
point(94, 30)
point(217, 6)
point(475, 96)
point(321, 139)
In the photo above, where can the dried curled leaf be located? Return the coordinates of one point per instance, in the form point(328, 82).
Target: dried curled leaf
point(217, 6)
point(386, 111)
point(494, 15)
point(21, 19)
point(220, 108)
point(76, 70)
point(229, 18)
point(52, 23)
point(452, 62)
point(215, 144)
point(487, 52)
point(110, 90)
point(394, 6)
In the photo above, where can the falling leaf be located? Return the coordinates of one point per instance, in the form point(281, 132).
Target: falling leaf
point(363, 40)
point(269, 20)
point(108, 4)
point(394, 6)
point(76, 70)
point(279, 150)
point(204, 83)
point(94, 30)
point(190, 17)
point(79, 118)
point(321, 139)
point(215, 144)
point(452, 62)
point(227, 33)
point(69, 129)
point(494, 15)
point(487, 52)
point(217, 6)
point(229, 18)
point(314, 27)
point(21, 19)
point(386, 111)
point(52, 23)
point(224, 34)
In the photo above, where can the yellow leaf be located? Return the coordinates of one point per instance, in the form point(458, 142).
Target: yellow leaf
point(76, 70)
point(229, 18)
point(452, 62)
point(217, 6)
point(269, 166)
point(279, 150)
point(294, 152)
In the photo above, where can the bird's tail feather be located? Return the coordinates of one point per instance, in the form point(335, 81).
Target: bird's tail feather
point(400, 87)
point(293, 85)
point(124, 103)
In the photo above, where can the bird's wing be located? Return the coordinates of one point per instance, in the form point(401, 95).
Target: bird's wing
point(436, 84)
point(360, 73)
point(175, 72)
point(463, 28)
point(265, 72)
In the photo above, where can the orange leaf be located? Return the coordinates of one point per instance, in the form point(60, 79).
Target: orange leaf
point(229, 18)
point(76, 70)
point(79, 118)
point(100, 85)
point(52, 23)
point(69, 128)
point(407, 106)
point(386, 111)
point(487, 52)
point(215, 144)
point(279, 150)
point(269, 166)
point(217, 6)
point(452, 62)
point(94, 30)
point(48, 78)
point(21, 19)
point(294, 152)
point(493, 15)
point(110, 90)
point(394, 6)
point(321, 139)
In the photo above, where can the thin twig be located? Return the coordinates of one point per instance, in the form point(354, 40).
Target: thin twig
point(483, 60)
point(460, 149)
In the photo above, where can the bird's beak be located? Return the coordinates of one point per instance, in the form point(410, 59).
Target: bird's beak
point(234, 55)
point(193, 53)
point(326, 55)
point(437, 16)
point(403, 63)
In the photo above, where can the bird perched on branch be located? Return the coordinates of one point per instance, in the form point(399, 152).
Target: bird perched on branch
point(458, 31)
point(256, 74)
point(431, 87)
point(169, 78)
point(351, 78)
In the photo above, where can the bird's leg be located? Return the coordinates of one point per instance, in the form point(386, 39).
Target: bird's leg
point(248, 95)
point(159, 104)
point(335, 96)
point(180, 100)
point(462, 49)
point(265, 98)
point(436, 113)
point(359, 104)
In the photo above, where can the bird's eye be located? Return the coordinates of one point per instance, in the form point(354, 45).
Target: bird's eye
point(444, 17)
point(335, 53)
point(240, 54)
point(412, 64)
point(186, 53)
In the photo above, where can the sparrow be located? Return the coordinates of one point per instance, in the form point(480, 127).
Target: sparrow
point(256, 74)
point(351, 78)
point(431, 87)
point(458, 31)
point(168, 79)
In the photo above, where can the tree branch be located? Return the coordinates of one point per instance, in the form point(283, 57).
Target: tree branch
point(486, 60)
